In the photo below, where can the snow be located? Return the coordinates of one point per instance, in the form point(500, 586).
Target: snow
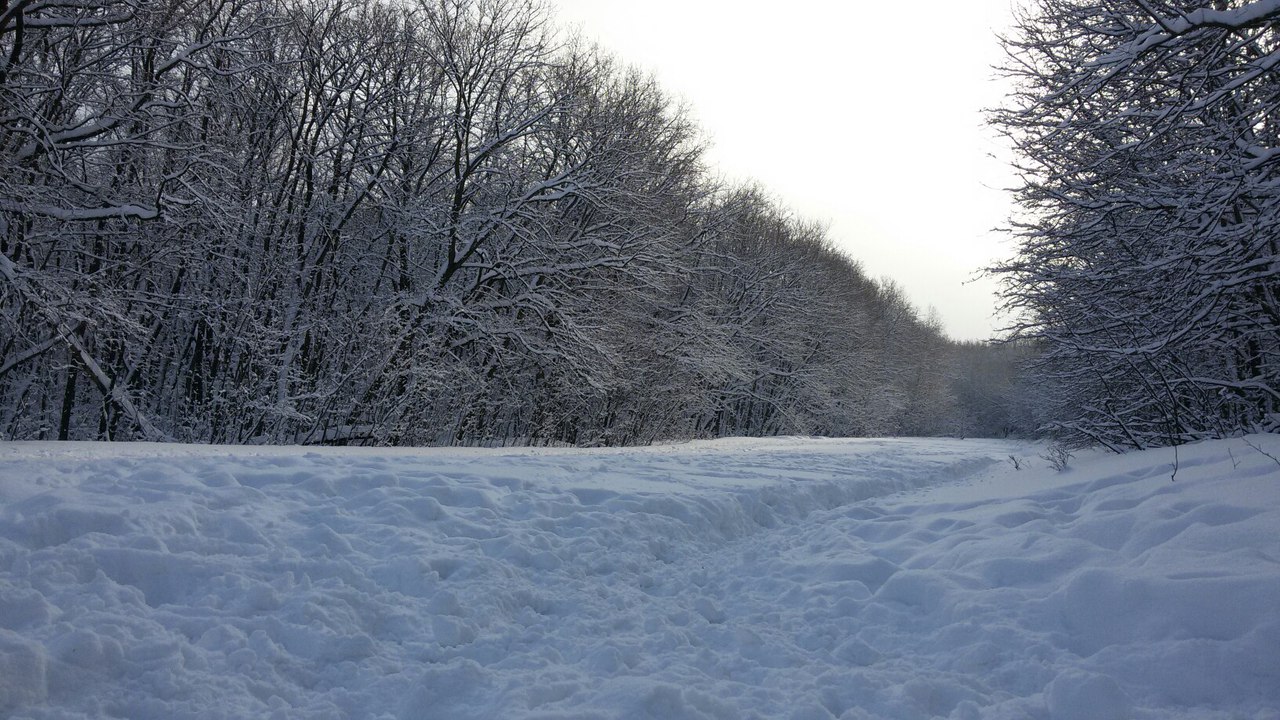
point(791, 578)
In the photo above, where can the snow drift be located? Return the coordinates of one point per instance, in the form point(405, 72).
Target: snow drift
point(801, 579)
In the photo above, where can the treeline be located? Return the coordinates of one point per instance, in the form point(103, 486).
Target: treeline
point(437, 222)
point(1148, 269)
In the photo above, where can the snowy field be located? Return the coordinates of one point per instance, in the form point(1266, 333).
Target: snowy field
point(793, 579)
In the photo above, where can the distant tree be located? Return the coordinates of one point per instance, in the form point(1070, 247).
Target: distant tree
point(993, 393)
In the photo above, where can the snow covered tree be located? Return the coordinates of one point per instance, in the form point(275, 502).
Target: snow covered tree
point(102, 106)
point(427, 222)
point(1147, 263)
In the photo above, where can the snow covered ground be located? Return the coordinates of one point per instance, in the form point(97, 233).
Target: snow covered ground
point(794, 579)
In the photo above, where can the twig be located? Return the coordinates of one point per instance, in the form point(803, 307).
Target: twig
point(1274, 459)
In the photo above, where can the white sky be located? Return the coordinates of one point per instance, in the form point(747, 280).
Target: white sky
point(862, 115)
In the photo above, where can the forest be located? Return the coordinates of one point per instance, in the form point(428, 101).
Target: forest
point(450, 222)
point(433, 222)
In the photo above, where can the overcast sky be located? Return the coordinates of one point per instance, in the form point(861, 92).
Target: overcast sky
point(866, 116)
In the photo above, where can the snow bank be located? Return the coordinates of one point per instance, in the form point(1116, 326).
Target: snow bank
point(802, 579)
